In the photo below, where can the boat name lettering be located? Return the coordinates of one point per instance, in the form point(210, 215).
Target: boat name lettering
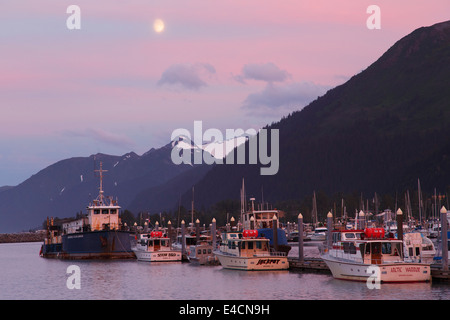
point(166, 254)
point(268, 261)
point(412, 269)
point(76, 236)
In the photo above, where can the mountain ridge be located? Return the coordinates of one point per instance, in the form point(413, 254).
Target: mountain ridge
point(378, 132)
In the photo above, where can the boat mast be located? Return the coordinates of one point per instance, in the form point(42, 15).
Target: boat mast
point(420, 201)
point(192, 207)
point(100, 171)
point(314, 215)
point(243, 204)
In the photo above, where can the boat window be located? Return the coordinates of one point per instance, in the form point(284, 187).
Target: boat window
point(96, 211)
point(417, 251)
point(258, 244)
point(243, 245)
point(209, 251)
point(113, 211)
point(386, 248)
point(104, 211)
point(367, 248)
point(204, 251)
point(349, 247)
point(410, 252)
point(250, 245)
point(350, 235)
point(199, 251)
point(352, 248)
point(346, 246)
point(362, 248)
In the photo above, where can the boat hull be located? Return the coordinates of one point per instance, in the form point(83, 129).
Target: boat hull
point(158, 256)
point(105, 244)
point(253, 263)
point(387, 273)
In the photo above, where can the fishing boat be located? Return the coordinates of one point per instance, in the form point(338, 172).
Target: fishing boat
point(319, 234)
point(246, 251)
point(98, 235)
point(154, 247)
point(357, 254)
point(418, 247)
point(263, 221)
point(202, 254)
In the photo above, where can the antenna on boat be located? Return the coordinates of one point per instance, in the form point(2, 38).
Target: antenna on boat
point(192, 207)
point(100, 171)
point(243, 204)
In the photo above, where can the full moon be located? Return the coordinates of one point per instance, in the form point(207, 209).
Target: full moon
point(158, 25)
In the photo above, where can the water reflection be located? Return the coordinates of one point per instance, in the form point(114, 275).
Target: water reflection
point(24, 275)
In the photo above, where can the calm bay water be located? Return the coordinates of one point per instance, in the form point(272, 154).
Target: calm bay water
point(26, 276)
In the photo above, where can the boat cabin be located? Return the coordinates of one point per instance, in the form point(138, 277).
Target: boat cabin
point(262, 219)
point(367, 246)
point(154, 241)
point(103, 212)
point(244, 244)
point(103, 216)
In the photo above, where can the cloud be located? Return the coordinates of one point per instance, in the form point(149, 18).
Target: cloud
point(268, 72)
point(290, 96)
point(188, 76)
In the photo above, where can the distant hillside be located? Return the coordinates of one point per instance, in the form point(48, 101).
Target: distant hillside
point(379, 132)
point(66, 187)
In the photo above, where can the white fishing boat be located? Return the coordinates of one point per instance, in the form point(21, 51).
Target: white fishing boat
point(319, 234)
point(360, 254)
point(418, 247)
point(153, 247)
point(246, 251)
point(202, 254)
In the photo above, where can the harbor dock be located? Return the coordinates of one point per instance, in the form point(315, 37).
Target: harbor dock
point(308, 264)
point(438, 274)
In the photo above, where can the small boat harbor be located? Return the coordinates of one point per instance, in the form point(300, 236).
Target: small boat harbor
point(360, 249)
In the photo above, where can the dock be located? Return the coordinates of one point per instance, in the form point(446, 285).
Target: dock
point(438, 274)
point(308, 264)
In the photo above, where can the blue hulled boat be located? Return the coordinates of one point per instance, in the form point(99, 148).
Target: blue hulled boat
point(98, 235)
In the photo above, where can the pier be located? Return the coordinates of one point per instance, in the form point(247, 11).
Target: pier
point(439, 274)
point(308, 264)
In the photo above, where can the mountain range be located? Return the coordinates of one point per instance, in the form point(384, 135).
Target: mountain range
point(380, 131)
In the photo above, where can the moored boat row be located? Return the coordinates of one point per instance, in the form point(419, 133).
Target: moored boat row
point(258, 243)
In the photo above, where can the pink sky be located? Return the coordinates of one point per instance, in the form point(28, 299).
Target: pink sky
point(116, 86)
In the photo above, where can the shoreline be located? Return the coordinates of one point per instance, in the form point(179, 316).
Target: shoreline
point(22, 237)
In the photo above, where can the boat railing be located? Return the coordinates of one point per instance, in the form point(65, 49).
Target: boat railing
point(270, 254)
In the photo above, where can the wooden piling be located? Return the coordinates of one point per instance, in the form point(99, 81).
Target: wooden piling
point(400, 224)
point(444, 239)
point(300, 238)
point(275, 232)
point(183, 238)
point(213, 233)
